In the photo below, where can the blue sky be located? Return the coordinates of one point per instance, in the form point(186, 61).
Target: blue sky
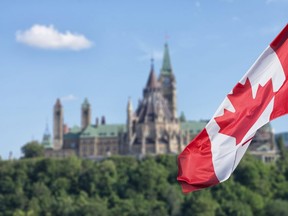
point(102, 49)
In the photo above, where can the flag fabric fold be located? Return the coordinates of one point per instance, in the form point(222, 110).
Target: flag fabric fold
point(259, 97)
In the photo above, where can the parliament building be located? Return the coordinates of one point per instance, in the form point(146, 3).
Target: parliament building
point(154, 127)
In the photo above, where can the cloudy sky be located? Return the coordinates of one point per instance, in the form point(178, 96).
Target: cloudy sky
point(72, 49)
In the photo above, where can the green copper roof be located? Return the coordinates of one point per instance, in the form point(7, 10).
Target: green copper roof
point(182, 117)
point(192, 127)
point(46, 142)
point(73, 133)
point(111, 130)
point(89, 131)
point(166, 66)
point(75, 129)
point(86, 103)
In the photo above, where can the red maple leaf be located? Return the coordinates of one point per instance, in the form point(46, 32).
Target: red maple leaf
point(247, 109)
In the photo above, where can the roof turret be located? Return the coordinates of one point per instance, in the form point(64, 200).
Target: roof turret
point(152, 81)
point(58, 103)
point(86, 103)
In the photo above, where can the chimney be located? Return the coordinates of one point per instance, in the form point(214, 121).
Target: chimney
point(65, 129)
point(97, 122)
point(103, 120)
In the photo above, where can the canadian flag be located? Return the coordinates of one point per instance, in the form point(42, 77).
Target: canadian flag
point(259, 97)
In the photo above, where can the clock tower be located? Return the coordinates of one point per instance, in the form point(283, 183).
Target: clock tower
point(168, 82)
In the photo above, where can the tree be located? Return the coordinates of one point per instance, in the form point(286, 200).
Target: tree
point(32, 149)
point(200, 203)
point(276, 207)
point(127, 186)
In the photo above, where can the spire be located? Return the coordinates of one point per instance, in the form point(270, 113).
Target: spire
point(47, 128)
point(129, 124)
point(129, 105)
point(152, 80)
point(166, 65)
point(46, 140)
point(168, 82)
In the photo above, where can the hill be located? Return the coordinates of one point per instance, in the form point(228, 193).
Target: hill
point(127, 186)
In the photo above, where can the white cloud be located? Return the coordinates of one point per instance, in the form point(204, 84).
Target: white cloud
point(48, 37)
point(69, 97)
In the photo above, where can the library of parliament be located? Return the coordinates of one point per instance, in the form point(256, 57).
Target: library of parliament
point(152, 128)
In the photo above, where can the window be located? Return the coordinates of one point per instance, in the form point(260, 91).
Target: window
point(73, 145)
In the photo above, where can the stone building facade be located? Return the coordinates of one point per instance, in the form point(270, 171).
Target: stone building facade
point(153, 128)
point(264, 146)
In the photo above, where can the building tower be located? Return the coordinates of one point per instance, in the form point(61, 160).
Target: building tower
point(58, 125)
point(154, 128)
point(168, 82)
point(129, 123)
point(46, 140)
point(85, 114)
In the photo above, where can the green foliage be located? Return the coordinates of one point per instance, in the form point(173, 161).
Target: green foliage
point(255, 175)
point(127, 186)
point(277, 208)
point(199, 203)
point(32, 149)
